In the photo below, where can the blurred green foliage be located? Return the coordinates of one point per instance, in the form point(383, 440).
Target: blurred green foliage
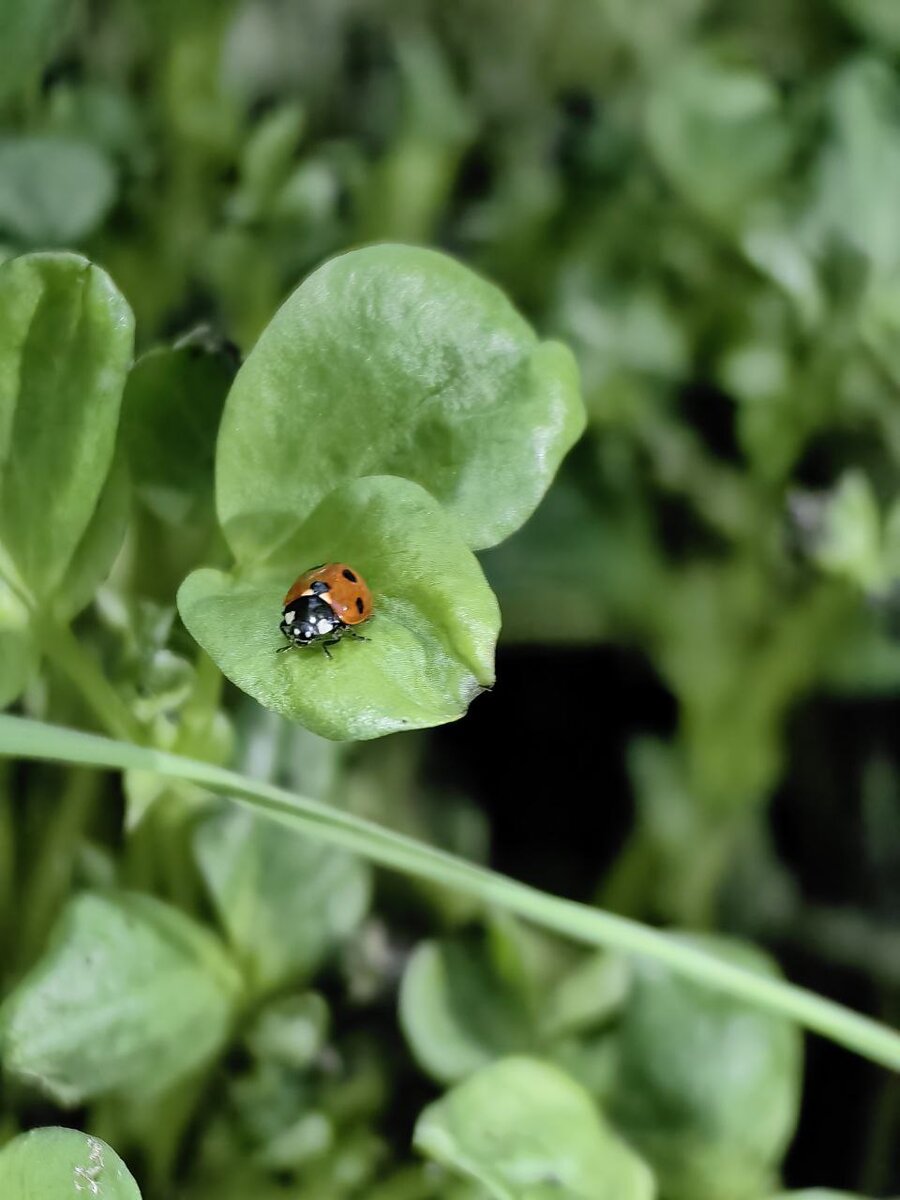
point(700, 198)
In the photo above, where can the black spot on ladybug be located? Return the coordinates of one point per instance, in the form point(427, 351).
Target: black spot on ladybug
point(349, 575)
point(359, 604)
point(319, 587)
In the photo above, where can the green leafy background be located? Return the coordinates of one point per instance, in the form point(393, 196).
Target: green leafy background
point(286, 283)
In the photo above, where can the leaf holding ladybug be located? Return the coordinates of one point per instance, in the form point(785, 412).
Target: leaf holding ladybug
point(400, 361)
point(431, 638)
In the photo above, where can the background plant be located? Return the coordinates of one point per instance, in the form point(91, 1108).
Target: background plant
point(698, 198)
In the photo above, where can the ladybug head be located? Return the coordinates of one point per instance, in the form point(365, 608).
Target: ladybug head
point(307, 619)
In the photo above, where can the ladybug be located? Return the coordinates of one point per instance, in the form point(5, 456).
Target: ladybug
point(323, 605)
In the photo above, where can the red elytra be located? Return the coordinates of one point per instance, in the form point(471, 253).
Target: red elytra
point(348, 594)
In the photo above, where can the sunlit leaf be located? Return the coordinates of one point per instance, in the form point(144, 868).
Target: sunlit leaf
point(131, 994)
point(396, 361)
point(63, 1164)
point(526, 1131)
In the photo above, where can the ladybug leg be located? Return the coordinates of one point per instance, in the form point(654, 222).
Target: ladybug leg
point(351, 632)
point(281, 649)
point(332, 641)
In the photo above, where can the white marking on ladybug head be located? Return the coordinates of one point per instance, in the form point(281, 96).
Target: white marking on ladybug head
point(324, 625)
point(289, 617)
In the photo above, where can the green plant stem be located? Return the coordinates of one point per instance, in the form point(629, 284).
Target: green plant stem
point(61, 646)
point(50, 877)
point(204, 699)
point(33, 739)
point(169, 824)
point(66, 652)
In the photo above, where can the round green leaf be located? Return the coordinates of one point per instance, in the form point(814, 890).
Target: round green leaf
point(431, 640)
point(65, 345)
point(526, 1131)
point(456, 1012)
point(707, 1087)
point(63, 1164)
point(131, 995)
point(399, 361)
point(53, 190)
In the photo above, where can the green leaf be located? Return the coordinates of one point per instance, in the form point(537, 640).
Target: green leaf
point(65, 345)
point(818, 1194)
point(393, 360)
point(96, 552)
point(268, 157)
point(431, 641)
point(526, 1131)
point(18, 652)
point(63, 1164)
point(849, 543)
point(880, 19)
point(859, 169)
point(170, 419)
point(131, 994)
point(465, 1003)
point(456, 1012)
point(718, 133)
point(588, 995)
point(879, 322)
point(707, 1088)
point(90, 564)
point(285, 903)
point(53, 190)
point(290, 1031)
point(27, 35)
